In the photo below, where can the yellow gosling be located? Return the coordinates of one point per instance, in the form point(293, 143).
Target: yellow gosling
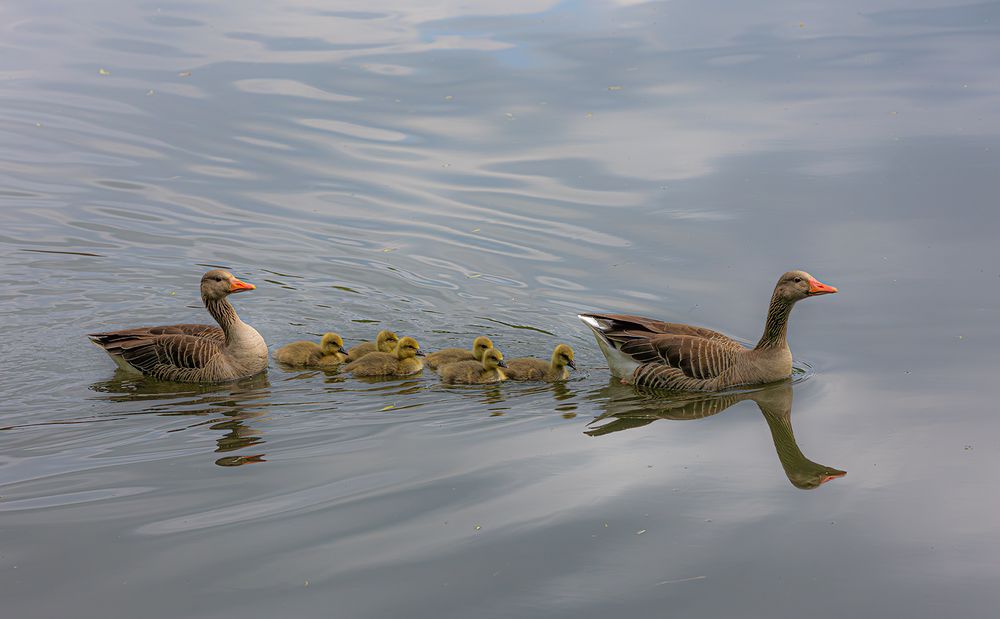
point(453, 355)
point(403, 362)
point(333, 353)
point(526, 368)
point(385, 342)
point(476, 372)
point(330, 351)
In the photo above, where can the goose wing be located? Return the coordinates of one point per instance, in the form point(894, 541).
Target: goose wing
point(610, 323)
point(109, 339)
point(693, 356)
point(170, 356)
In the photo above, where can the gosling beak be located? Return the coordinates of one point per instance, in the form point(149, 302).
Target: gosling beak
point(342, 350)
point(238, 286)
point(817, 287)
point(420, 353)
point(501, 363)
point(571, 364)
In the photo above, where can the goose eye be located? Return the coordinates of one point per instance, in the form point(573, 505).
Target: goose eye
point(798, 280)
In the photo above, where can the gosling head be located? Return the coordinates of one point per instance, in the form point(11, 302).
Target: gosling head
point(480, 345)
point(331, 343)
point(563, 356)
point(218, 284)
point(797, 285)
point(408, 348)
point(493, 359)
point(386, 341)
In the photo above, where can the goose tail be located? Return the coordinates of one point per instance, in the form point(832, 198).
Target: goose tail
point(620, 364)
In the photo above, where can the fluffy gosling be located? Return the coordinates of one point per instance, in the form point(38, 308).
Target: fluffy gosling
point(476, 372)
point(526, 368)
point(304, 354)
point(386, 341)
point(402, 362)
point(453, 355)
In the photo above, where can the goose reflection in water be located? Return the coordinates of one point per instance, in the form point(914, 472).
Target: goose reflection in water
point(629, 408)
point(237, 403)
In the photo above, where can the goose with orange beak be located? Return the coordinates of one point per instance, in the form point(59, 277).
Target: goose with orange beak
point(193, 353)
point(680, 357)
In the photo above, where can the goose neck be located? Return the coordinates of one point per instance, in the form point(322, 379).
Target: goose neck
point(776, 327)
point(224, 314)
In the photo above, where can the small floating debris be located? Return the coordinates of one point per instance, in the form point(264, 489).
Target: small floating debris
point(676, 580)
point(640, 531)
point(103, 72)
point(477, 527)
point(184, 74)
point(613, 88)
point(387, 408)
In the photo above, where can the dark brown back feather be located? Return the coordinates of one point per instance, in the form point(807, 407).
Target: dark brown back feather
point(159, 353)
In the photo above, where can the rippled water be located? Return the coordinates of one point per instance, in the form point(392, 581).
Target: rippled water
point(453, 169)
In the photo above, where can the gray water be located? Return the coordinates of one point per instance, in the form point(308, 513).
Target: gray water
point(457, 168)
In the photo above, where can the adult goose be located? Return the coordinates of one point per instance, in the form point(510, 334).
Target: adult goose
point(679, 357)
point(193, 353)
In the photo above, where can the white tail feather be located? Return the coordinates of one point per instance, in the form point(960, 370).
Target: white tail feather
point(621, 365)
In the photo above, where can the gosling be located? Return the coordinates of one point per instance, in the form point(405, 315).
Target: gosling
point(476, 372)
point(304, 354)
point(453, 355)
point(402, 362)
point(386, 341)
point(526, 368)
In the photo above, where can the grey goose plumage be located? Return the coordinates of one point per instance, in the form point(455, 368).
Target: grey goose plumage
point(193, 353)
point(679, 357)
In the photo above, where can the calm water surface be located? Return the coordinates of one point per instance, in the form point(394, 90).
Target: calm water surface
point(450, 169)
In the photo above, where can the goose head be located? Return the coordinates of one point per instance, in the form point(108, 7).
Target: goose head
point(797, 285)
point(407, 348)
point(493, 359)
point(480, 345)
point(563, 356)
point(386, 341)
point(332, 344)
point(218, 284)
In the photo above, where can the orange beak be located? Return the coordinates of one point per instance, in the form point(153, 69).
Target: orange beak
point(238, 286)
point(817, 287)
point(832, 476)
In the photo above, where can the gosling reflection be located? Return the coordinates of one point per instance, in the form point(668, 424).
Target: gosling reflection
point(238, 403)
point(629, 408)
